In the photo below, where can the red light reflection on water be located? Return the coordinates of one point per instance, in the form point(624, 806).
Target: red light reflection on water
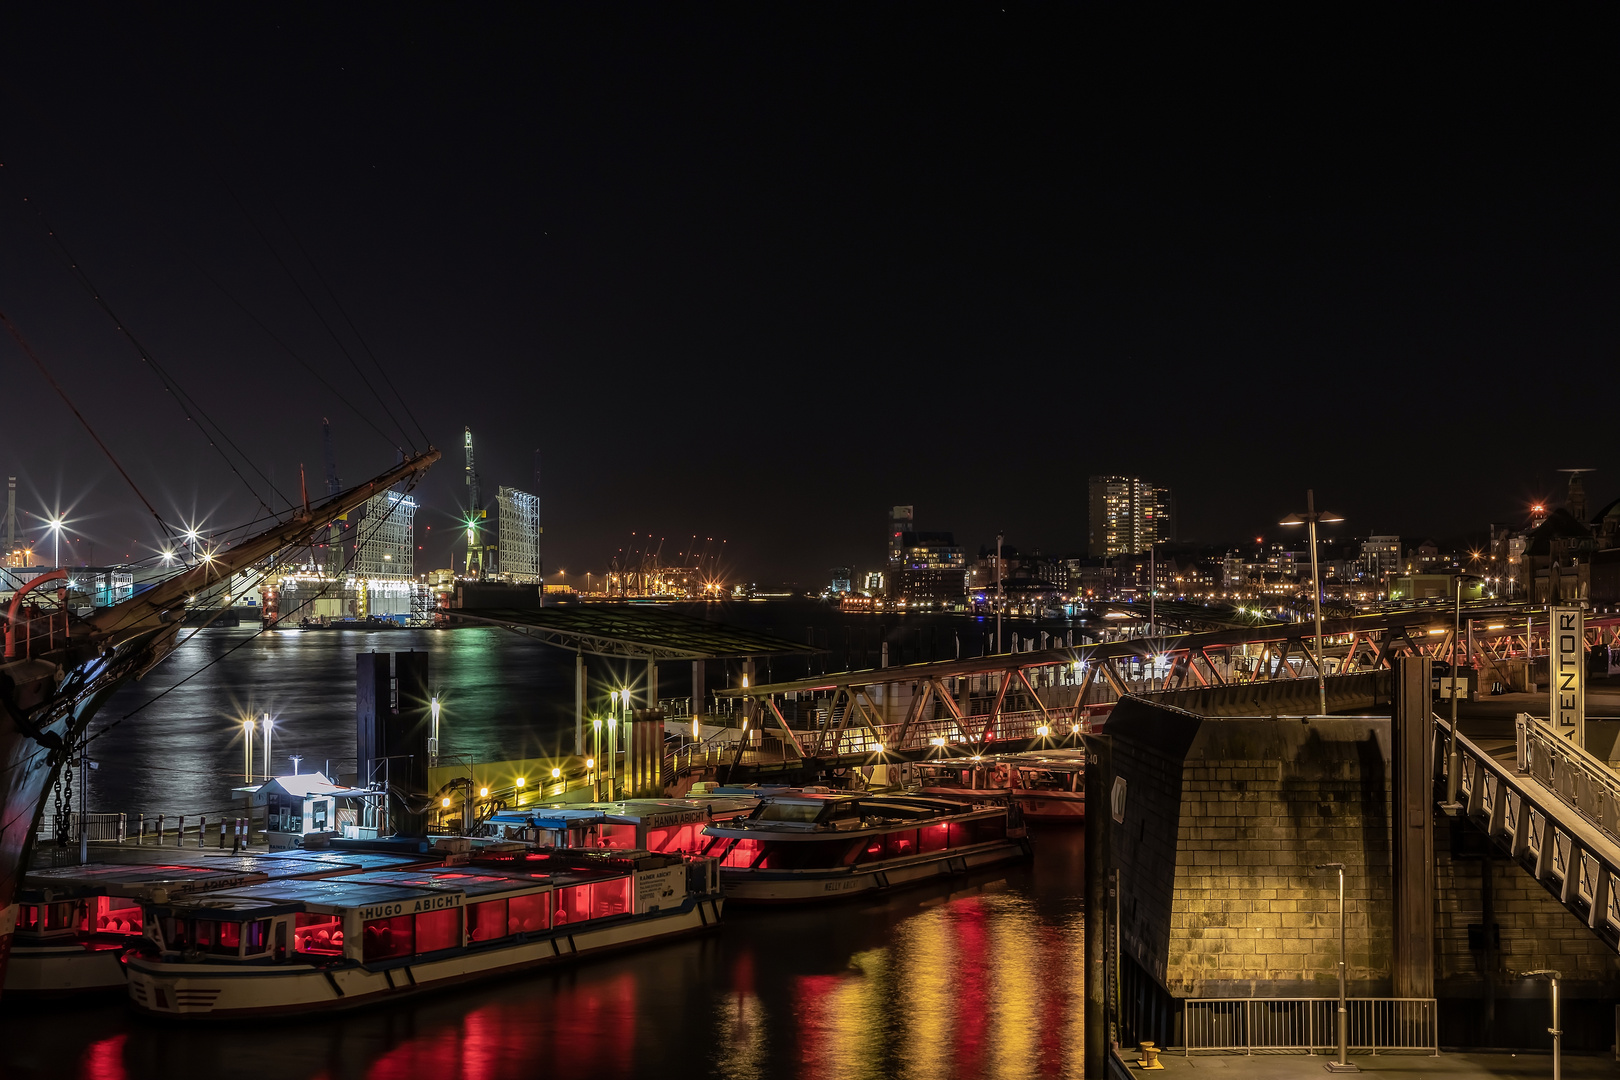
point(590, 1031)
point(972, 990)
point(104, 1060)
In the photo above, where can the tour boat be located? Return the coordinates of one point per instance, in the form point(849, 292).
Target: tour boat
point(75, 923)
point(814, 844)
point(1046, 787)
point(342, 943)
point(657, 825)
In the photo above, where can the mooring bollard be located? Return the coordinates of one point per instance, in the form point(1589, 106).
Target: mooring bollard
point(180, 831)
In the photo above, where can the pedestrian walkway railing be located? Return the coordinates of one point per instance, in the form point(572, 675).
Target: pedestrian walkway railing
point(1581, 781)
point(1308, 1025)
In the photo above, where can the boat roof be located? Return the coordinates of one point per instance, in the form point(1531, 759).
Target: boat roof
point(330, 894)
point(466, 880)
point(651, 812)
point(209, 873)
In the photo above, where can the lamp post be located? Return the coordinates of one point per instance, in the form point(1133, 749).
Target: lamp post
point(267, 725)
point(433, 737)
point(247, 751)
point(1453, 753)
point(1555, 1031)
point(596, 770)
point(1342, 1064)
point(613, 746)
point(1309, 518)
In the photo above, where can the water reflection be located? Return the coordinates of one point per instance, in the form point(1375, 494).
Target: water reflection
point(982, 979)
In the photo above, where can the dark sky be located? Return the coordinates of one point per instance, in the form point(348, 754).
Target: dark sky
point(758, 272)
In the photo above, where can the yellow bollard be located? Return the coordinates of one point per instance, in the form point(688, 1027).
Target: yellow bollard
point(1150, 1057)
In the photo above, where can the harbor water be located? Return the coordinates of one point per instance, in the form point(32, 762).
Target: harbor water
point(980, 977)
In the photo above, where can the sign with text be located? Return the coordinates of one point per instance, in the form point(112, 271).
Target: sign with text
point(1566, 673)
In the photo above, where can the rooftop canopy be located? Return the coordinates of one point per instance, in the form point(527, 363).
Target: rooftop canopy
point(632, 630)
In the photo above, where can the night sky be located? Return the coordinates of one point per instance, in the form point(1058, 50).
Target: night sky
point(758, 272)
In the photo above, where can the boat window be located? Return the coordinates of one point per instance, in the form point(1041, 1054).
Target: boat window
point(784, 811)
point(220, 938)
point(933, 837)
point(256, 936)
point(321, 935)
point(385, 938)
point(897, 845)
point(117, 915)
point(595, 900)
point(682, 838)
point(42, 918)
point(808, 855)
point(437, 930)
point(744, 853)
point(980, 831)
point(486, 921)
point(529, 914)
point(610, 835)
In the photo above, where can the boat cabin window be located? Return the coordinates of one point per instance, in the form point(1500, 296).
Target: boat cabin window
point(111, 915)
point(215, 936)
point(593, 900)
point(317, 935)
point(672, 838)
point(979, 831)
point(407, 935)
point(495, 919)
point(44, 918)
point(613, 835)
point(387, 938)
point(787, 811)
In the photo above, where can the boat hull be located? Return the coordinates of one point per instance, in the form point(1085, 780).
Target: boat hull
point(819, 886)
point(42, 972)
point(225, 991)
point(1044, 807)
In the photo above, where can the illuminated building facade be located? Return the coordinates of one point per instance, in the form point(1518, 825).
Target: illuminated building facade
point(518, 529)
point(1127, 515)
point(384, 538)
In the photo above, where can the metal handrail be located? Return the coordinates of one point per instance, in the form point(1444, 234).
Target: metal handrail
point(1580, 780)
point(1247, 1025)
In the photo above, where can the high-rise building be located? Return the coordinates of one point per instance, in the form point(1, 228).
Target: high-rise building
point(901, 520)
point(518, 527)
point(18, 553)
point(1127, 515)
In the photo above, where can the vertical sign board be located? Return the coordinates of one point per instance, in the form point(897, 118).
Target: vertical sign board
point(1566, 674)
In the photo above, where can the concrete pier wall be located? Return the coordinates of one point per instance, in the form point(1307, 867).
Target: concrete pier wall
point(1224, 822)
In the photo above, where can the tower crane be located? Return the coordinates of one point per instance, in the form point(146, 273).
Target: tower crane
point(475, 511)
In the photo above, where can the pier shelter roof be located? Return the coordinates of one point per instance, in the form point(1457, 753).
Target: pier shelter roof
point(636, 630)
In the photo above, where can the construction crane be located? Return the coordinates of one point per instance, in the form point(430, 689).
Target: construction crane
point(332, 538)
point(475, 512)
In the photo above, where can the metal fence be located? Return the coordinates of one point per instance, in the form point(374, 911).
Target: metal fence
point(98, 826)
point(1308, 1025)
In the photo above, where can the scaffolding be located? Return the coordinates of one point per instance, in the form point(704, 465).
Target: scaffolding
point(385, 546)
point(518, 515)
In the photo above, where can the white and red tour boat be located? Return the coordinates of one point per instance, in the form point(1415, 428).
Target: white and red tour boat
point(809, 844)
point(75, 923)
point(342, 943)
point(1047, 787)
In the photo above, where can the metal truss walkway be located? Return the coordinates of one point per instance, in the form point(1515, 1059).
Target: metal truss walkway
point(1551, 807)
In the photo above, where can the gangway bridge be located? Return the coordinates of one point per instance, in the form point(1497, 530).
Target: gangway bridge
point(1023, 701)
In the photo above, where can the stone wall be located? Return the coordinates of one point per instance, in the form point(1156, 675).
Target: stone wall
point(1263, 802)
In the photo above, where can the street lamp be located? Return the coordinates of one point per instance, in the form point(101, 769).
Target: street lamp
point(247, 750)
point(1343, 1063)
point(1555, 1031)
point(55, 526)
point(1309, 518)
point(266, 722)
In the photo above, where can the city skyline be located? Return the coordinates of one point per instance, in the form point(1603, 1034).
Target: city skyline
point(1236, 290)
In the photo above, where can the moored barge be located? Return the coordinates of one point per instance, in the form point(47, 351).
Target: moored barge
point(803, 846)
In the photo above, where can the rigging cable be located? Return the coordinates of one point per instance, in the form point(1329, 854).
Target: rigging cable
point(352, 328)
point(43, 370)
point(276, 254)
point(188, 405)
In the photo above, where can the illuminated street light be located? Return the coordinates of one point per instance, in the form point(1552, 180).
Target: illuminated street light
point(55, 527)
point(247, 751)
point(266, 722)
point(483, 793)
point(1310, 517)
